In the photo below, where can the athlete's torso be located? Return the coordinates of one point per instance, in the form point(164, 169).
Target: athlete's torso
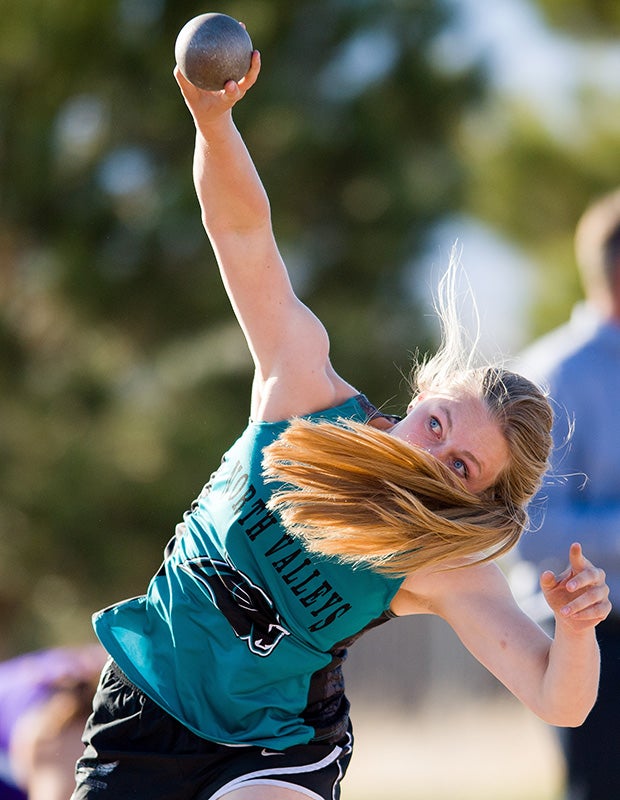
point(242, 632)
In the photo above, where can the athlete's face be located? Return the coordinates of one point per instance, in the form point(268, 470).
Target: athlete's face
point(460, 432)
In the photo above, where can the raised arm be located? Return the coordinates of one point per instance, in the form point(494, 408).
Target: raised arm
point(289, 345)
point(556, 678)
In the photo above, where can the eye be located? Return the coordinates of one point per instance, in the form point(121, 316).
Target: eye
point(460, 467)
point(435, 425)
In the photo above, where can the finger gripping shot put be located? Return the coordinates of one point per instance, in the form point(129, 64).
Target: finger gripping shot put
point(325, 518)
point(212, 49)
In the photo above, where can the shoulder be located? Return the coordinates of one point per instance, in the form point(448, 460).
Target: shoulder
point(441, 589)
point(344, 402)
point(293, 390)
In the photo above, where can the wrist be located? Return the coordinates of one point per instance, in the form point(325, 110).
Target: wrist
point(575, 630)
point(213, 128)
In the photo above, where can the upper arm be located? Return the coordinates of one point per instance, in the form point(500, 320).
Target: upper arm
point(260, 291)
point(477, 603)
point(288, 343)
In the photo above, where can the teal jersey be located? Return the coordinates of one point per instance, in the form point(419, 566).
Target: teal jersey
point(241, 633)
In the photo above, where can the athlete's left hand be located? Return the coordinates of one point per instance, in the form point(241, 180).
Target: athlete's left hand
point(579, 596)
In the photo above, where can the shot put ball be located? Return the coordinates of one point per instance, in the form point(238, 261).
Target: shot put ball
point(212, 49)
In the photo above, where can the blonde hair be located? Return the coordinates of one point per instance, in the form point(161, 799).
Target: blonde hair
point(358, 493)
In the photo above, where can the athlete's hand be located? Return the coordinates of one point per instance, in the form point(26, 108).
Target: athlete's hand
point(206, 107)
point(579, 596)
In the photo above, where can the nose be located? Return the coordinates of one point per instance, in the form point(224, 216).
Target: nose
point(437, 451)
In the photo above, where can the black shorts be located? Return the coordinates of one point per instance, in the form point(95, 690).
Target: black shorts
point(136, 751)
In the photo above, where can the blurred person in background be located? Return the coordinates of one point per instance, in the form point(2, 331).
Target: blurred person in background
point(579, 363)
point(45, 699)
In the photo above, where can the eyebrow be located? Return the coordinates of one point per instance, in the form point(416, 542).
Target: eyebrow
point(466, 453)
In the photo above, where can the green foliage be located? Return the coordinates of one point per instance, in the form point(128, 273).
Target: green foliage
point(584, 17)
point(534, 186)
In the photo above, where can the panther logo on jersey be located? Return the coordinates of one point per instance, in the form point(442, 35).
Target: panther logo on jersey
point(247, 608)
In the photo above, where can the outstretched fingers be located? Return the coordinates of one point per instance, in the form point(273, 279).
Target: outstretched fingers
point(579, 595)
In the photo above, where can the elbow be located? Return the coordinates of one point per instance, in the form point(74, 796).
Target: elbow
point(571, 716)
point(568, 721)
point(577, 718)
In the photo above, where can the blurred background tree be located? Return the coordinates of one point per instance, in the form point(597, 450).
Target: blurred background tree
point(124, 376)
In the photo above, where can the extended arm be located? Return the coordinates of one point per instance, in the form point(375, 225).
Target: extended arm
point(289, 345)
point(557, 679)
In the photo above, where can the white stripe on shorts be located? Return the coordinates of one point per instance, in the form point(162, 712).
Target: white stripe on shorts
point(262, 777)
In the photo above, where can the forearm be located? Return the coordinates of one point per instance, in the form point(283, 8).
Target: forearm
point(556, 678)
point(570, 682)
point(231, 195)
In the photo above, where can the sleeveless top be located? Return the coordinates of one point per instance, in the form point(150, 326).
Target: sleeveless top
point(242, 632)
